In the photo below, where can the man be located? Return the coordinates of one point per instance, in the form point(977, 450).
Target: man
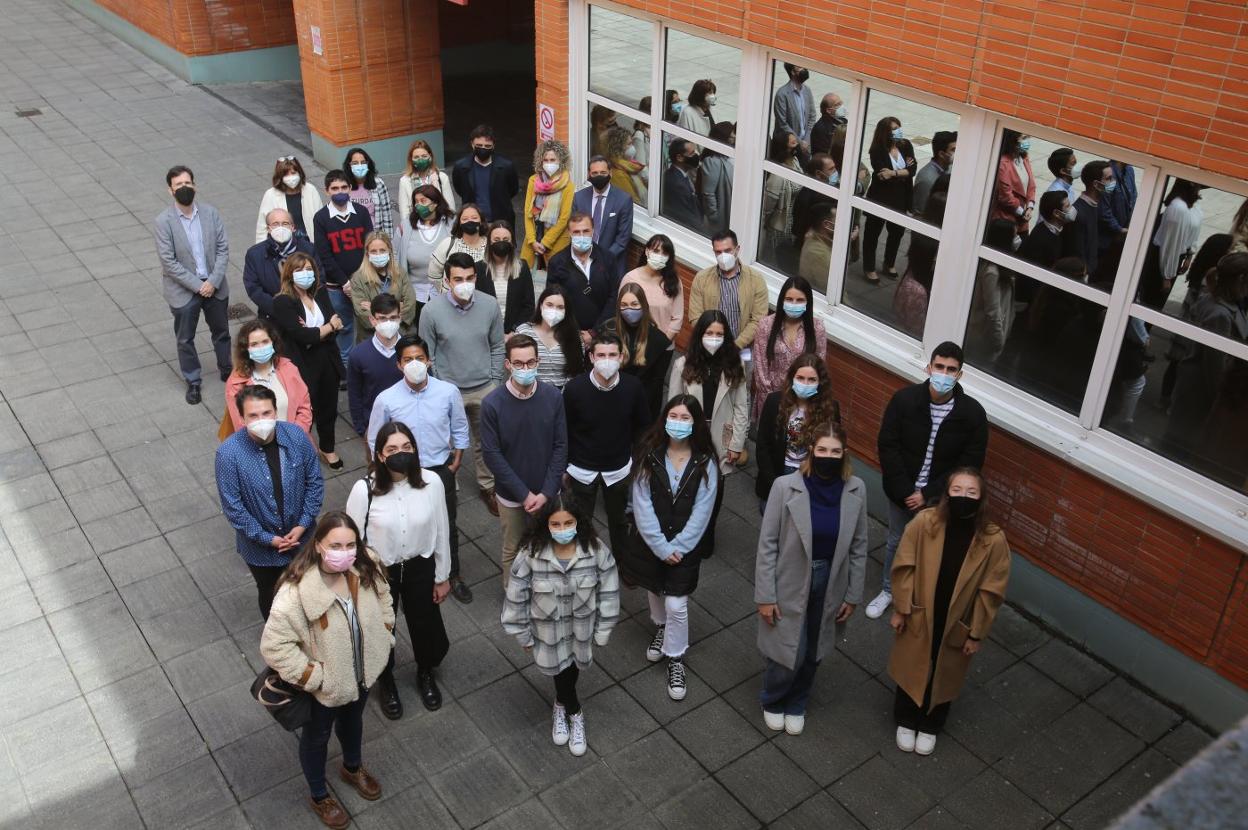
point(680, 197)
point(1114, 216)
point(270, 485)
point(1064, 166)
point(262, 268)
point(794, 106)
point(193, 252)
point(820, 168)
point(1084, 233)
point(833, 118)
point(944, 144)
point(486, 179)
point(588, 273)
point(339, 230)
point(525, 443)
point(611, 210)
point(929, 430)
point(434, 411)
point(606, 413)
point(1047, 243)
point(735, 289)
point(463, 333)
point(371, 365)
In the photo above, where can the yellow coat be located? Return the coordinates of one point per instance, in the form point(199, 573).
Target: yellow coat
point(980, 589)
point(556, 237)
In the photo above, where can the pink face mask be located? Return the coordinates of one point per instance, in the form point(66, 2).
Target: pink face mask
point(338, 561)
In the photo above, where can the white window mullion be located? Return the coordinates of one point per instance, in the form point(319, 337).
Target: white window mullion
point(578, 83)
point(857, 107)
point(658, 113)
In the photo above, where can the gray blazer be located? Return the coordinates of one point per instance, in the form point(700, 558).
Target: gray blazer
point(177, 263)
point(716, 193)
point(782, 569)
point(786, 109)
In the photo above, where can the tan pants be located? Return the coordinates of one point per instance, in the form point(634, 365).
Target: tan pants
point(514, 522)
point(472, 408)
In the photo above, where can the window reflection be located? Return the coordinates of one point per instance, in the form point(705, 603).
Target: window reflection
point(619, 55)
point(899, 302)
point(811, 106)
point(625, 144)
point(697, 185)
point(706, 76)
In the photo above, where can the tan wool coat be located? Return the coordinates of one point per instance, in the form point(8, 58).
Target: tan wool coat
point(307, 639)
point(977, 595)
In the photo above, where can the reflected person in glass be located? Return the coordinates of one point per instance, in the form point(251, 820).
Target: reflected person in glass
point(893, 168)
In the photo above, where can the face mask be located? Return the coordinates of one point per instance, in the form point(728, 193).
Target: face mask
point(470, 228)
point(388, 329)
point(305, 279)
point(338, 561)
point(835, 178)
point(423, 211)
point(1071, 214)
point(379, 260)
point(802, 77)
point(1024, 146)
point(677, 107)
point(1111, 185)
point(805, 390)
point(501, 249)
point(359, 170)
point(263, 429)
point(656, 261)
point(464, 290)
point(632, 316)
point(828, 467)
point(963, 507)
point(841, 111)
point(630, 152)
point(608, 367)
point(711, 99)
point(524, 377)
point(261, 354)
point(898, 135)
point(726, 261)
point(550, 168)
point(400, 462)
point(712, 344)
point(600, 182)
point(942, 384)
point(1076, 172)
point(281, 234)
point(552, 316)
point(582, 244)
point(680, 430)
point(794, 310)
point(421, 163)
point(184, 195)
point(1017, 243)
point(483, 153)
point(563, 537)
point(291, 180)
point(692, 161)
point(416, 372)
point(340, 198)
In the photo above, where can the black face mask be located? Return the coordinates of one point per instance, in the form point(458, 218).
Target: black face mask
point(692, 161)
point(483, 153)
point(829, 468)
point(501, 249)
point(400, 462)
point(600, 182)
point(470, 228)
point(802, 77)
point(963, 507)
point(184, 195)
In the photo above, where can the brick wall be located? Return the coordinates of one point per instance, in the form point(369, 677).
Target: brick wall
point(210, 27)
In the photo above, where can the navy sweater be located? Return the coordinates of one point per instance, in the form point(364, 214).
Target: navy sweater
point(369, 372)
point(339, 244)
point(603, 425)
point(524, 442)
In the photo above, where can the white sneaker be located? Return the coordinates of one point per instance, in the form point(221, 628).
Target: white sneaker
point(676, 679)
point(654, 651)
point(905, 739)
point(774, 720)
point(577, 745)
point(924, 744)
point(877, 606)
point(794, 724)
point(559, 725)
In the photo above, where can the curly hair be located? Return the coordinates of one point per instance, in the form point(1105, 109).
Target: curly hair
point(618, 141)
point(820, 409)
point(560, 149)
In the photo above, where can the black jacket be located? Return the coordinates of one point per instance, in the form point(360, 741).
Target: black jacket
point(503, 187)
point(896, 193)
point(594, 299)
point(961, 442)
point(680, 201)
point(303, 345)
point(1043, 247)
point(262, 271)
point(638, 565)
point(771, 443)
point(520, 302)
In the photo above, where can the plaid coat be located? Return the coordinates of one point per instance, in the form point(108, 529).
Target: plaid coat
point(558, 612)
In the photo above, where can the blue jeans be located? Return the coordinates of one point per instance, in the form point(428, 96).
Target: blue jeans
point(348, 722)
point(788, 690)
point(898, 518)
point(346, 312)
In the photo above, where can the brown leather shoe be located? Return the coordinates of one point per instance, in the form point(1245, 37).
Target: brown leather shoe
point(365, 784)
point(330, 812)
point(490, 502)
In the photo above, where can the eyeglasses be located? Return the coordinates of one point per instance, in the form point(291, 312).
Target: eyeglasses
point(285, 158)
point(532, 364)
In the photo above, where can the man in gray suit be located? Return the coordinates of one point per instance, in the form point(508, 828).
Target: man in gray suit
point(612, 212)
point(190, 241)
point(794, 106)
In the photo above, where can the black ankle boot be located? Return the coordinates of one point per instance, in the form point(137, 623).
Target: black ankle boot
point(428, 688)
point(391, 705)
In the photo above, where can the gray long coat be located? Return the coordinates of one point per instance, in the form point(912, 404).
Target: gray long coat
point(782, 569)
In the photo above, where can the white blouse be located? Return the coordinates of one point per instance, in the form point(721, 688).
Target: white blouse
point(406, 522)
point(313, 318)
point(272, 381)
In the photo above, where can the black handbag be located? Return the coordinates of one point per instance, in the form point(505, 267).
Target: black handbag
point(289, 705)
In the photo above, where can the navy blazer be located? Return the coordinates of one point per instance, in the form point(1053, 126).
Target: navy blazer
point(617, 221)
point(503, 186)
point(262, 271)
point(680, 202)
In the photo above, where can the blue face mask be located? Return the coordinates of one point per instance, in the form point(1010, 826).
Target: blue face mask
point(835, 178)
point(632, 316)
point(359, 170)
point(1024, 146)
point(524, 377)
point(898, 135)
point(340, 198)
point(1111, 185)
point(680, 430)
point(582, 244)
point(805, 390)
point(304, 279)
point(942, 384)
point(562, 537)
point(262, 354)
point(794, 310)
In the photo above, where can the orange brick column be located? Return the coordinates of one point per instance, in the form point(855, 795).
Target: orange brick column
point(377, 82)
point(550, 23)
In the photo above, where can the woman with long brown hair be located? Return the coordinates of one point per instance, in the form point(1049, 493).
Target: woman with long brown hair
point(789, 417)
point(258, 360)
point(711, 370)
point(647, 351)
point(422, 169)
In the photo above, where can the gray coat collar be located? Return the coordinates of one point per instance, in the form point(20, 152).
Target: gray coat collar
point(797, 503)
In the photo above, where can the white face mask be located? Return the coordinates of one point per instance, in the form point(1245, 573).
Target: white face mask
point(380, 260)
point(630, 152)
point(281, 234)
point(712, 344)
point(263, 429)
point(291, 180)
point(656, 261)
point(608, 367)
point(464, 290)
point(1071, 214)
point(1017, 243)
point(416, 371)
point(552, 316)
point(711, 99)
point(726, 261)
point(550, 168)
point(388, 328)
point(841, 111)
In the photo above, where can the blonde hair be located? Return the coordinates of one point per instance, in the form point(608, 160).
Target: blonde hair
point(421, 144)
point(827, 429)
point(638, 357)
point(366, 267)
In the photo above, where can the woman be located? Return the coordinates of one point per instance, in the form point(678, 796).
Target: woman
point(672, 107)
point(422, 170)
point(992, 304)
point(560, 352)
point(715, 179)
point(1239, 229)
point(468, 236)
point(563, 557)
point(293, 193)
point(426, 229)
point(626, 168)
point(1201, 278)
point(657, 277)
point(506, 277)
point(305, 319)
point(696, 115)
point(675, 491)
point(368, 190)
point(641, 142)
point(401, 511)
point(953, 563)
point(647, 351)
point(776, 346)
point(809, 573)
point(778, 195)
point(1015, 195)
point(258, 361)
point(381, 273)
point(1171, 249)
point(711, 371)
point(602, 120)
point(547, 204)
point(913, 292)
point(892, 185)
point(787, 423)
point(330, 633)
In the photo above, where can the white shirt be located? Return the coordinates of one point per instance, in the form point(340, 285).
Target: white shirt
point(406, 522)
point(272, 381)
point(585, 264)
point(382, 348)
point(590, 476)
point(340, 214)
point(313, 318)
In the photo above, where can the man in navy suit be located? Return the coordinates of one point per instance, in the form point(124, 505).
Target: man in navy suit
point(610, 208)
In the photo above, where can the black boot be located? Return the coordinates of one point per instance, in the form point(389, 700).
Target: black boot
point(428, 688)
point(391, 705)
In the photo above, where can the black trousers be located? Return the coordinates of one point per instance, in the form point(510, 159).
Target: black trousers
point(871, 238)
point(565, 689)
point(914, 716)
point(266, 581)
point(321, 376)
point(452, 508)
point(411, 584)
point(615, 497)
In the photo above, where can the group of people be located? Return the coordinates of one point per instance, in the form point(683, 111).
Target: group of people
point(434, 330)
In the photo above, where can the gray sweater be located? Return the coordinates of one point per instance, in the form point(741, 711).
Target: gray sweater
point(524, 442)
point(465, 345)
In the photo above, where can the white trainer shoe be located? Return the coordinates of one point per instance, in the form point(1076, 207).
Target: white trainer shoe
point(877, 606)
point(654, 651)
point(794, 724)
point(676, 679)
point(924, 744)
point(905, 739)
point(774, 720)
point(577, 744)
point(559, 725)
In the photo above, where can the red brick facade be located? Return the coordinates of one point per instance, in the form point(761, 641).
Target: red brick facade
point(210, 27)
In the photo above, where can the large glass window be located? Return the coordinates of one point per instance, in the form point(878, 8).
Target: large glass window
point(620, 54)
point(810, 105)
point(697, 186)
point(705, 78)
point(625, 143)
